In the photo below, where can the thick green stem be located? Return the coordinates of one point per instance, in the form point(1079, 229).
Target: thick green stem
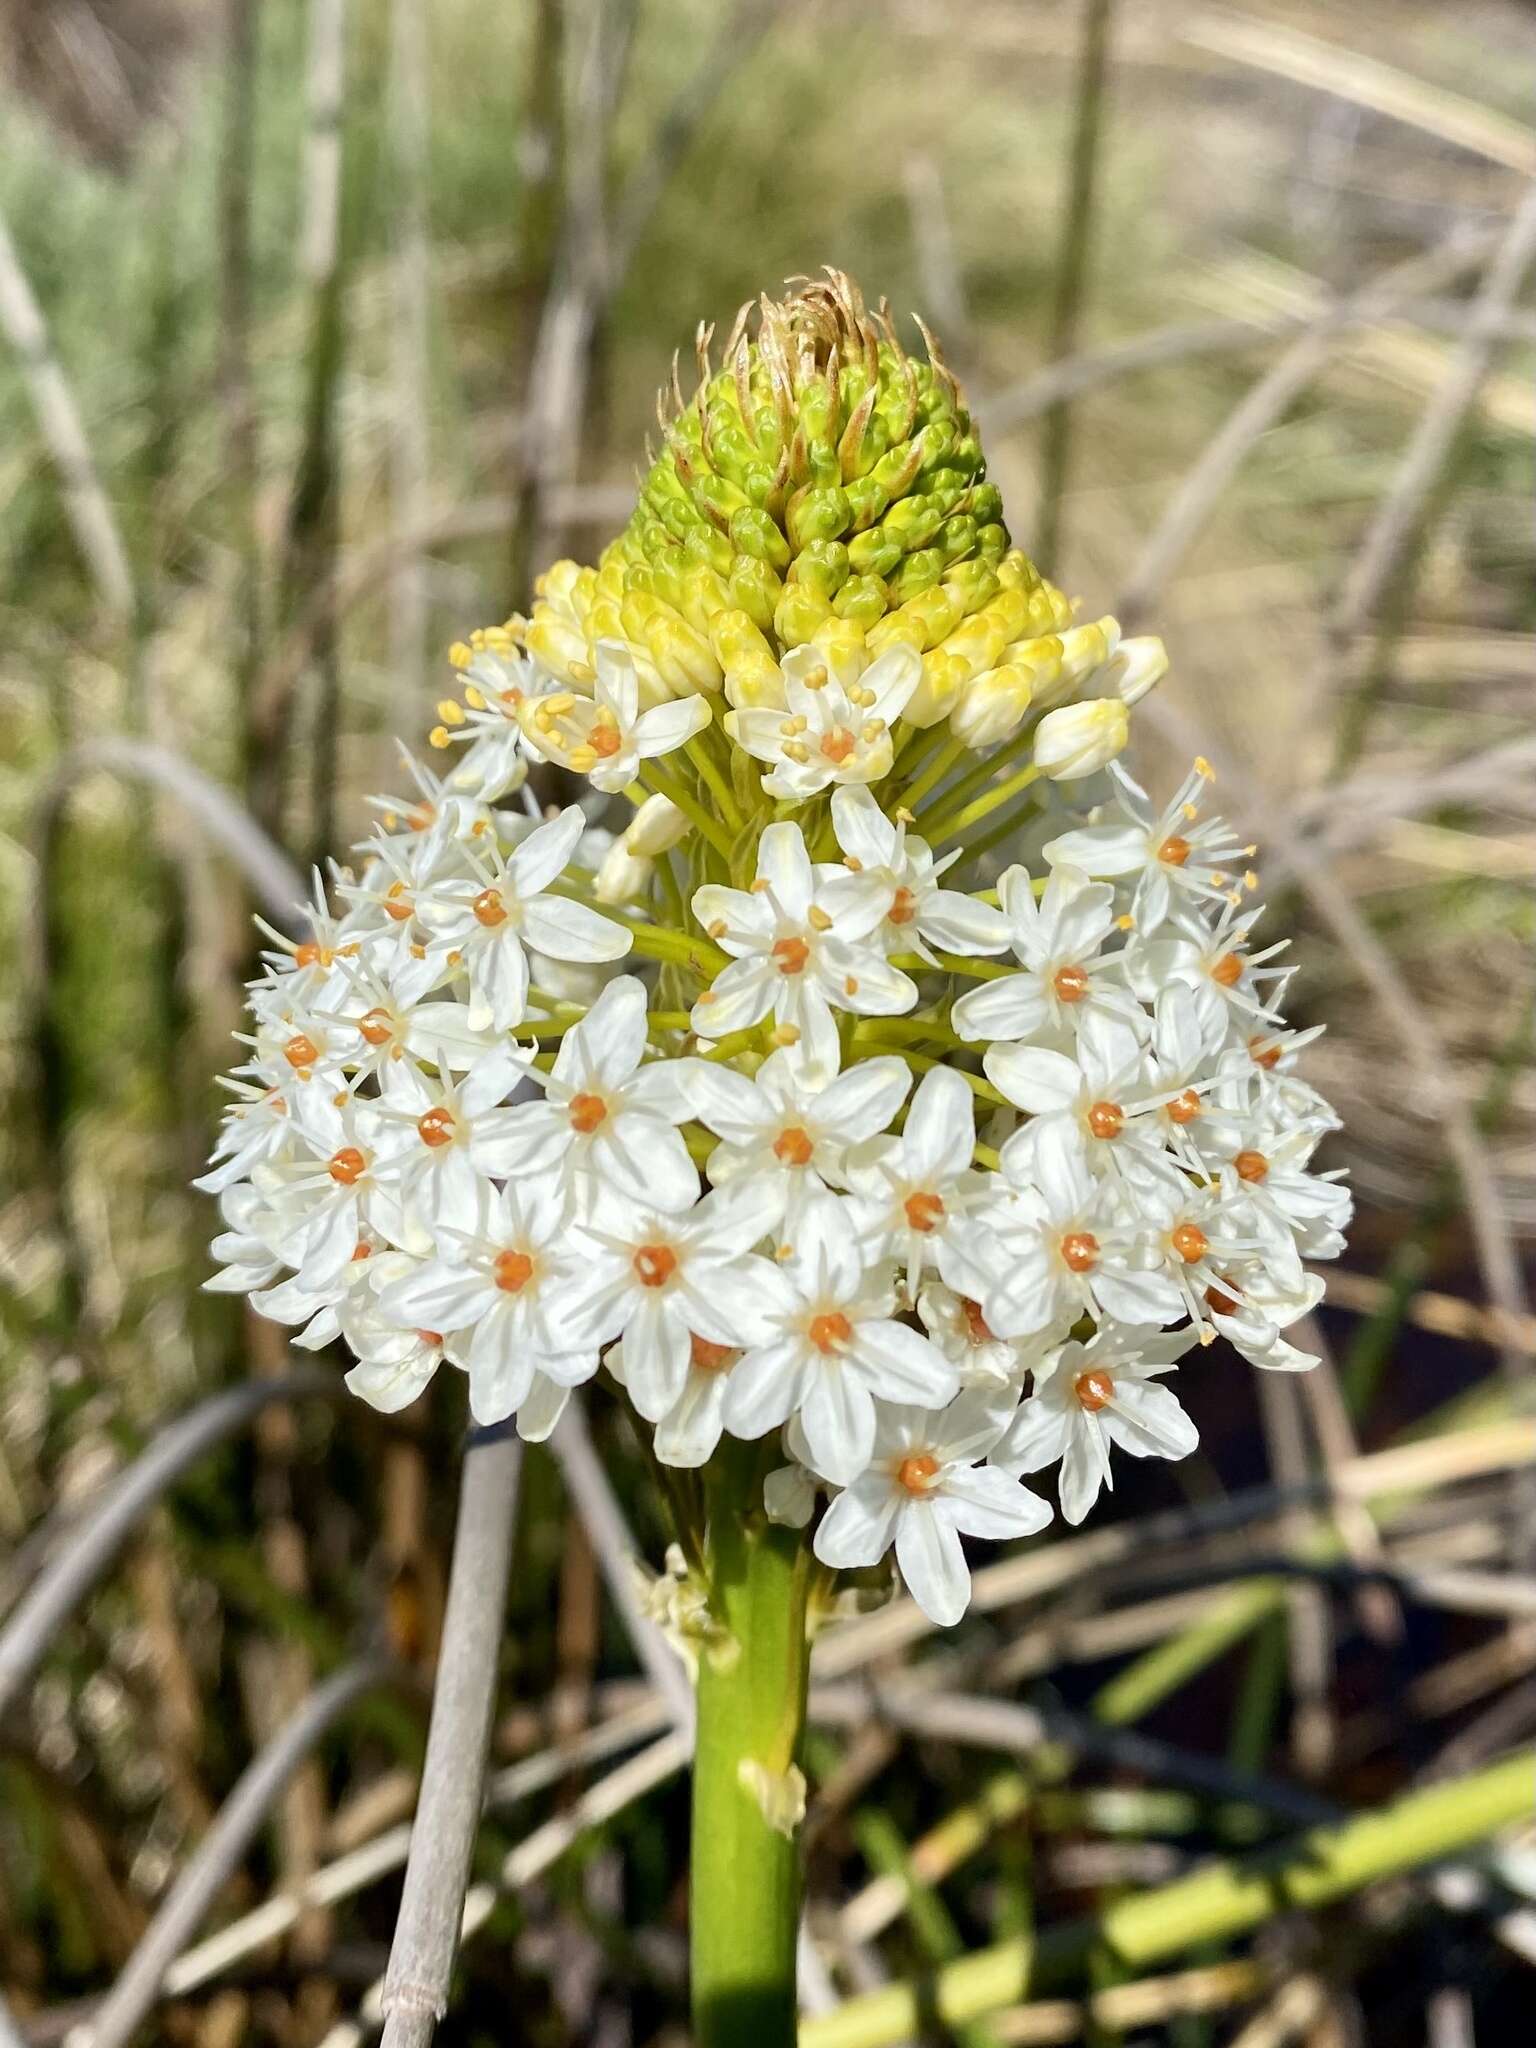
point(745, 1893)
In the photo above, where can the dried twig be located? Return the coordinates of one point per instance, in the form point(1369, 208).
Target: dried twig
point(86, 504)
point(99, 1531)
point(426, 1933)
point(271, 876)
point(1267, 401)
point(1391, 532)
point(221, 1851)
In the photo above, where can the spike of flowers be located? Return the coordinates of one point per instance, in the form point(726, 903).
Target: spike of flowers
point(878, 1187)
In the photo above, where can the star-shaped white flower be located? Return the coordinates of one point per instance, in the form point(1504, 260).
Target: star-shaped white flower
point(606, 1115)
point(926, 1488)
point(483, 927)
point(786, 1129)
point(802, 947)
point(1066, 974)
point(835, 726)
point(606, 736)
point(1096, 1395)
point(505, 1289)
point(957, 1325)
point(660, 1280)
point(1171, 854)
point(918, 910)
point(832, 1345)
point(913, 1192)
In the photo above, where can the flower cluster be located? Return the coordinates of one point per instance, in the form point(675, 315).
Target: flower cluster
point(770, 1105)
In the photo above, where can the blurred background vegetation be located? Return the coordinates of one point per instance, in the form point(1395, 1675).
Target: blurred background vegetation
point(323, 325)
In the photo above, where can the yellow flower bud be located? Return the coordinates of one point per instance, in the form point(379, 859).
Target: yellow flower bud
point(1079, 739)
point(1136, 667)
point(657, 826)
point(992, 705)
point(624, 875)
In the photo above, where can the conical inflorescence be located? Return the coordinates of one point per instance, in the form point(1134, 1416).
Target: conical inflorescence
point(822, 486)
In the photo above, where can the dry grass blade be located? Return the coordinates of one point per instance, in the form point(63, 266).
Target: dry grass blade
point(426, 1934)
point(1198, 495)
point(1392, 530)
point(221, 1851)
point(618, 1559)
point(58, 421)
point(1309, 60)
point(96, 1536)
point(271, 876)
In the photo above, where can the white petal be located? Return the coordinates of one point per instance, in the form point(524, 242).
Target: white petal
point(573, 931)
point(860, 1525)
point(932, 1561)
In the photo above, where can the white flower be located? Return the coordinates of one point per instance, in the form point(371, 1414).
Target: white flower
point(482, 926)
point(1066, 976)
point(1170, 853)
point(393, 1366)
point(917, 908)
point(1080, 739)
point(451, 1136)
point(802, 946)
point(832, 1344)
point(1059, 1250)
point(342, 1184)
point(836, 722)
point(661, 1280)
point(786, 1129)
point(1232, 987)
point(1096, 1395)
point(606, 736)
point(497, 678)
point(687, 1434)
point(924, 1490)
point(1250, 1307)
point(257, 1128)
point(1097, 1099)
point(505, 1289)
point(606, 1114)
point(914, 1193)
point(956, 1324)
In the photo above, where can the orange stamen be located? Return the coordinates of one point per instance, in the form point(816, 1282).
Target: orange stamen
point(1070, 983)
point(914, 1473)
point(587, 1112)
point(793, 1147)
point(436, 1126)
point(1094, 1390)
point(791, 955)
point(923, 1211)
point(655, 1264)
point(1080, 1250)
point(347, 1166)
point(828, 1331)
point(1106, 1119)
point(1190, 1242)
point(489, 909)
point(512, 1271)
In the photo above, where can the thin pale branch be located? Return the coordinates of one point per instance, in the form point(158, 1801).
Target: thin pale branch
point(271, 876)
point(463, 1700)
point(1201, 490)
point(1392, 531)
point(219, 1855)
point(86, 504)
point(96, 1535)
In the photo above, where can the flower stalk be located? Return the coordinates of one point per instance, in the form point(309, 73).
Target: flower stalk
point(748, 1789)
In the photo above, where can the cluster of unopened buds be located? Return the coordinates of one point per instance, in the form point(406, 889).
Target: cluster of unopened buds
point(775, 1103)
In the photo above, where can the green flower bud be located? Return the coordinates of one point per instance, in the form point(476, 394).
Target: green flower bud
point(820, 473)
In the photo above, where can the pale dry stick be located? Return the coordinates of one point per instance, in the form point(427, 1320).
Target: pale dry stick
point(93, 1537)
point(1397, 517)
point(1148, 2001)
point(371, 1860)
point(1309, 60)
point(1334, 1433)
point(219, 1855)
point(425, 1940)
point(267, 870)
point(933, 244)
point(1355, 813)
point(86, 505)
point(741, 30)
point(1203, 485)
point(529, 1860)
point(618, 1559)
point(1447, 1315)
point(1309, 1633)
point(1439, 1093)
point(325, 88)
point(411, 288)
point(1288, 2015)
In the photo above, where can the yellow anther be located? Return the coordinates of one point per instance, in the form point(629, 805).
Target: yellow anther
point(583, 672)
point(1203, 767)
point(818, 918)
point(871, 730)
point(719, 928)
point(583, 759)
point(439, 736)
point(556, 704)
point(460, 654)
point(473, 698)
point(450, 711)
point(815, 678)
